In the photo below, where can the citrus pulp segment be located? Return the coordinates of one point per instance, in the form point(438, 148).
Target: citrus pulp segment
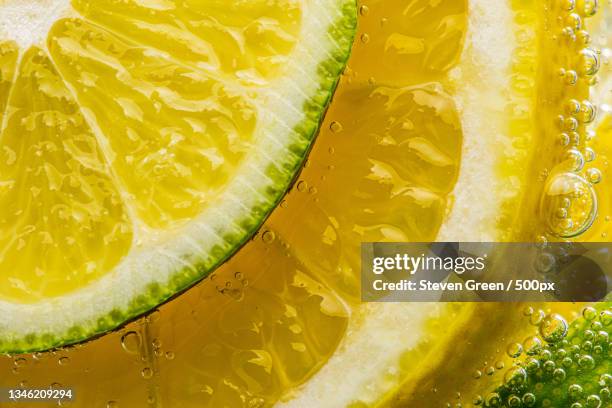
point(159, 137)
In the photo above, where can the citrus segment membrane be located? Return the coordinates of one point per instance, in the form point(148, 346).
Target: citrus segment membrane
point(159, 136)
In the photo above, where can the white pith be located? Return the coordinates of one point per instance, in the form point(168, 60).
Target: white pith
point(161, 257)
point(482, 81)
point(366, 366)
point(27, 22)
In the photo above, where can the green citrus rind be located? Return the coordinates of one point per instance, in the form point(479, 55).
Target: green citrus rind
point(282, 172)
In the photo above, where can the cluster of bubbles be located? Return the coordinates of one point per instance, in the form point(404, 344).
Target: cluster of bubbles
point(569, 200)
point(559, 365)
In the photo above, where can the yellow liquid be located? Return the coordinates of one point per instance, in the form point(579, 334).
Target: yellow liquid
point(382, 169)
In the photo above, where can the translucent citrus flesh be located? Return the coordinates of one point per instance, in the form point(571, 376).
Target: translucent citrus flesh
point(62, 219)
point(128, 121)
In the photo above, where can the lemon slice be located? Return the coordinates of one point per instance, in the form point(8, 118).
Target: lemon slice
point(142, 143)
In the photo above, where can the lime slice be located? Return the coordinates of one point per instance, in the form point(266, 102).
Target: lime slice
point(142, 143)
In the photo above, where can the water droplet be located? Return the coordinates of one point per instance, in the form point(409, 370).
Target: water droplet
point(170, 355)
point(477, 374)
point(63, 361)
point(364, 10)
point(302, 186)
point(131, 342)
point(365, 38)
point(553, 328)
point(112, 404)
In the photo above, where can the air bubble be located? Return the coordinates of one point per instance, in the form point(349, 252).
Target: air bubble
point(571, 77)
point(581, 212)
point(537, 317)
point(594, 175)
point(572, 107)
point(514, 350)
point(146, 373)
point(589, 62)
point(574, 21)
point(606, 317)
point(589, 154)
point(589, 313)
point(515, 377)
point(131, 342)
point(587, 112)
point(586, 362)
point(559, 375)
point(336, 127)
point(593, 401)
point(564, 139)
point(268, 237)
point(553, 328)
point(532, 345)
point(574, 391)
point(570, 124)
point(587, 8)
point(574, 160)
point(529, 399)
point(568, 5)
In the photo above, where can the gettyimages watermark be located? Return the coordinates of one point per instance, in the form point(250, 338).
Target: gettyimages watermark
point(493, 272)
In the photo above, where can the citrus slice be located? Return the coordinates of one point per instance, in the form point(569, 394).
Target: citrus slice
point(443, 127)
point(142, 143)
